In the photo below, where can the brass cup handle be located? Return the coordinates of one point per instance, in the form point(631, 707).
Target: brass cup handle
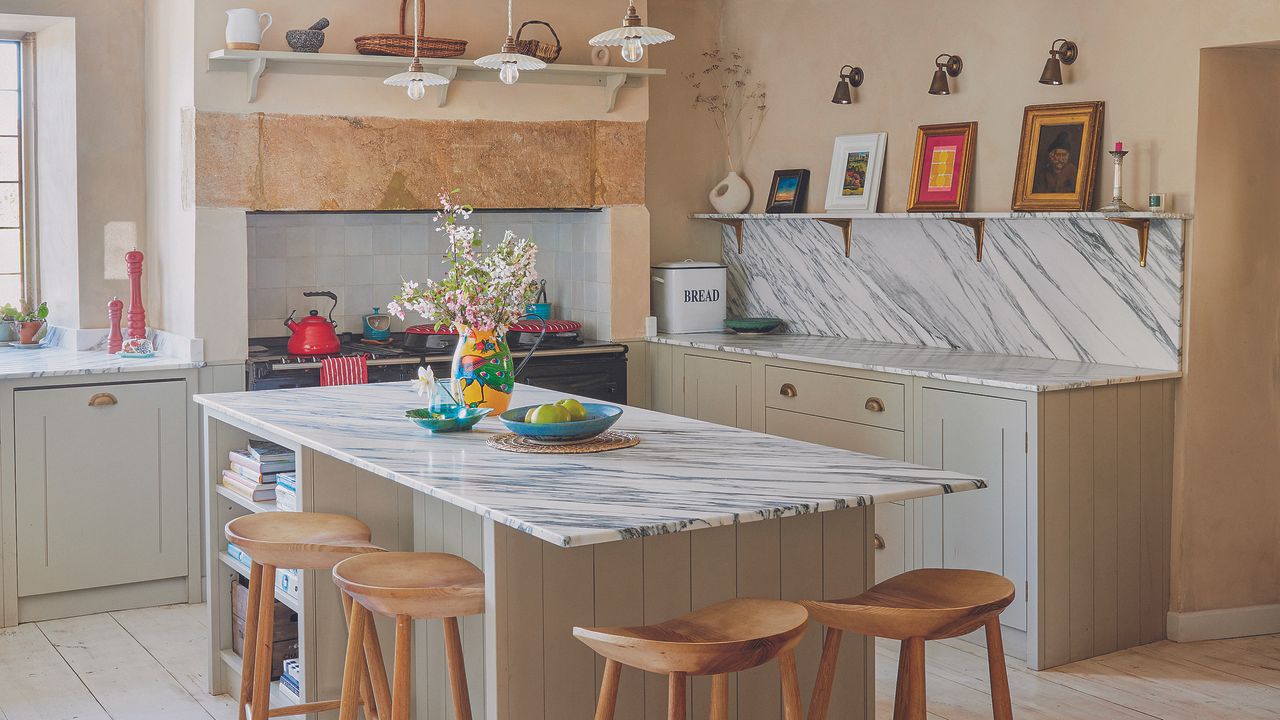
point(879, 541)
point(787, 390)
point(103, 400)
point(874, 404)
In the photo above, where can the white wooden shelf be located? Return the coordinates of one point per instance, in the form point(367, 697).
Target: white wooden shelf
point(255, 63)
point(281, 696)
point(289, 601)
point(246, 503)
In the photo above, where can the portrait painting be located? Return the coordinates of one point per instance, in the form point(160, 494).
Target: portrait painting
point(1057, 157)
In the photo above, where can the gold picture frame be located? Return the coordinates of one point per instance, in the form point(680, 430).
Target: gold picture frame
point(942, 167)
point(1057, 157)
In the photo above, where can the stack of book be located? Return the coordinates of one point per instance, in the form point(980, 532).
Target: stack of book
point(253, 471)
point(291, 677)
point(288, 581)
point(287, 492)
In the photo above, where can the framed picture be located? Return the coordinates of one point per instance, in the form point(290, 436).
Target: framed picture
point(942, 169)
point(856, 165)
point(1057, 155)
point(789, 192)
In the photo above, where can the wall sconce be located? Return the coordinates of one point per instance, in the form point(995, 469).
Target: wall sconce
point(850, 77)
point(946, 65)
point(1067, 53)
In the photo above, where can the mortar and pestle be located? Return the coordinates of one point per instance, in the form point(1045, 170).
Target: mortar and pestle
point(309, 40)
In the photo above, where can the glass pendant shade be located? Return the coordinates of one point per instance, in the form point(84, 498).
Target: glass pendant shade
point(632, 37)
point(939, 86)
point(1052, 74)
point(416, 80)
point(509, 63)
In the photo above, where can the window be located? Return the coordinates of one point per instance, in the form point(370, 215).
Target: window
point(13, 235)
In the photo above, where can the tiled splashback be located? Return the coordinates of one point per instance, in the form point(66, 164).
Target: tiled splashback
point(363, 257)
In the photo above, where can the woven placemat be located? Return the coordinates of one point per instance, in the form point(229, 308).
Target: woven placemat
point(600, 443)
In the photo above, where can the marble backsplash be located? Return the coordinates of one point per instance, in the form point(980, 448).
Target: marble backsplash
point(1067, 288)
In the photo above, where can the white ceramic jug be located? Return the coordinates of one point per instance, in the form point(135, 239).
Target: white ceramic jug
point(244, 28)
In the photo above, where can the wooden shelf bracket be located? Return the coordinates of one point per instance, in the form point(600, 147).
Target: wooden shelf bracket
point(736, 224)
point(846, 227)
point(1143, 226)
point(979, 228)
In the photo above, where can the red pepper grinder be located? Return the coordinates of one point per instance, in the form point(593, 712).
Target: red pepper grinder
point(137, 313)
point(115, 309)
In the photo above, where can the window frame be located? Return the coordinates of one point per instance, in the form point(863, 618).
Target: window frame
point(27, 204)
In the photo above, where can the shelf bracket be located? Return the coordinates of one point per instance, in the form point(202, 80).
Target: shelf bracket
point(736, 224)
point(846, 227)
point(979, 228)
point(257, 66)
point(613, 82)
point(1144, 230)
point(449, 72)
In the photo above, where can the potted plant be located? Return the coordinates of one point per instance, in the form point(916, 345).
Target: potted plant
point(26, 321)
point(484, 291)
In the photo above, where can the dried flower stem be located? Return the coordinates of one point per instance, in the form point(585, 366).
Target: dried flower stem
point(737, 106)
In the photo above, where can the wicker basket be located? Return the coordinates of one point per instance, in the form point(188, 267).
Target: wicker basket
point(401, 45)
point(536, 48)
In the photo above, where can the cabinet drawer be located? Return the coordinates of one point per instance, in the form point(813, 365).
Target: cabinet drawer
point(836, 433)
point(839, 397)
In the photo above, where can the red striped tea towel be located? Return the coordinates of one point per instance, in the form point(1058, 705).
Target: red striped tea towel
point(344, 371)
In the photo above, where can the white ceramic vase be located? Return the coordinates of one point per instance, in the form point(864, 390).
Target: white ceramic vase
point(731, 195)
point(244, 28)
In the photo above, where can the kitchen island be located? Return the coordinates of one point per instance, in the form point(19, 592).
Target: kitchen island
point(694, 514)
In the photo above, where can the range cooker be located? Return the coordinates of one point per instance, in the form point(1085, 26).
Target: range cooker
point(591, 368)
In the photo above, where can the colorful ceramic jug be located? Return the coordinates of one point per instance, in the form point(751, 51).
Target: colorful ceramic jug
point(483, 374)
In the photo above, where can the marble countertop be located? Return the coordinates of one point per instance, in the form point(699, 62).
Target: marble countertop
point(22, 364)
point(685, 474)
point(1003, 371)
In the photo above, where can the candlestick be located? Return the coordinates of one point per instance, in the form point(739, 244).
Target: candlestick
point(115, 309)
point(1117, 203)
point(137, 313)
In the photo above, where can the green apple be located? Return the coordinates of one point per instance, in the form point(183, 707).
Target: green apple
point(548, 414)
point(574, 408)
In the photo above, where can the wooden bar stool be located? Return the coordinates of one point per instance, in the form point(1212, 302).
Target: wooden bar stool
point(929, 604)
point(409, 586)
point(303, 541)
point(727, 637)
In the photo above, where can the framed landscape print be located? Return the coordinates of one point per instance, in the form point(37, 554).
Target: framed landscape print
point(942, 169)
point(857, 162)
point(789, 192)
point(1057, 155)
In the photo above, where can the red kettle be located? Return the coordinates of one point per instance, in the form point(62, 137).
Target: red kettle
point(314, 335)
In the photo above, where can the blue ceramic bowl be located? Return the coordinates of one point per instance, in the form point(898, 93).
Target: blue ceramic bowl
point(447, 418)
point(600, 417)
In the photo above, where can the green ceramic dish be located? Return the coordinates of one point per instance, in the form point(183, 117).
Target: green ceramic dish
point(447, 418)
point(755, 326)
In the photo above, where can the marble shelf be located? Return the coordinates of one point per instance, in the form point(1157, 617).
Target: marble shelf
point(255, 63)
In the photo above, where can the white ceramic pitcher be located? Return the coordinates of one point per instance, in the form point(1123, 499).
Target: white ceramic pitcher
point(244, 28)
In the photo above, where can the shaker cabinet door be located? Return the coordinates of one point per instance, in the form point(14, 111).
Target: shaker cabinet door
point(101, 485)
point(983, 529)
point(717, 391)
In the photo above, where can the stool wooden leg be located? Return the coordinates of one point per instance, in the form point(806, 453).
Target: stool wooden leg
point(791, 709)
point(249, 648)
point(609, 690)
point(677, 685)
point(349, 702)
point(457, 670)
point(826, 679)
point(909, 701)
point(1001, 704)
point(377, 670)
point(400, 693)
point(719, 697)
point(372, 710)
point(264, 642)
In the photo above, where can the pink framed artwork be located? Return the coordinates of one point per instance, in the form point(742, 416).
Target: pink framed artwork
point(942, 168)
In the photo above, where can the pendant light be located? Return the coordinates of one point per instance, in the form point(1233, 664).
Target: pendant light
point(509, 62)
point(415, 80)
point(632, 36)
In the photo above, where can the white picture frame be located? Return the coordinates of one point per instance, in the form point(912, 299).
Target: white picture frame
point(873, 145)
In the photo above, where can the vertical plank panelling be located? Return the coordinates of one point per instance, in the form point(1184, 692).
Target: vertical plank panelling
point(329, 486)
point(1104, 520)
point(619, 599)
point(1081, 523)
point(570, 683)
point(846, 570)
point(712, 580)
point(1167, 493)
point(472, 628)
point(666, 594)
point(1055, 531)
point(1151, 543)
point(430, 701)
point(1129, 510)
point(759, 575)
point(801, 579)
point(524, 633)
point(497, 589)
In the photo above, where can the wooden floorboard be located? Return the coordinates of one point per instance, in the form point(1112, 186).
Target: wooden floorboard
point(145, 664)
